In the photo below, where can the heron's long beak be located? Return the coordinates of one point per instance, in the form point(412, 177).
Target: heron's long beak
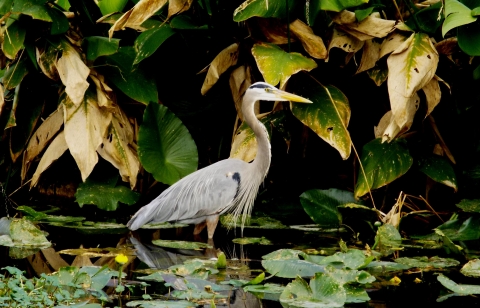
point(291, 97)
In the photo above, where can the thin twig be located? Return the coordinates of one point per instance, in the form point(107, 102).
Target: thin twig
point(426, 202)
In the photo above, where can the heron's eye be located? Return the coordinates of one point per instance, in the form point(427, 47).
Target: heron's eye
point(268, 90)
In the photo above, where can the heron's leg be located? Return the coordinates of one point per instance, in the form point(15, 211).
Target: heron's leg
point(212, 222)
point(199, 227)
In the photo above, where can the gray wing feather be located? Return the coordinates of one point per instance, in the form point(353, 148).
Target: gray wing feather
point(208, 191)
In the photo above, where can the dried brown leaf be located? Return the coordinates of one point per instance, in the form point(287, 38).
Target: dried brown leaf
point(370, 55)
point(432, 94)
point(73, 73)
point(392, 42)
point(312, 43)
point(345, 42)
point(240, 80)
point(178, 6)
point(372, 26)
point(223, 61)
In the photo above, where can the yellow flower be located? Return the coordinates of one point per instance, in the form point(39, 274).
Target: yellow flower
point(121, 259)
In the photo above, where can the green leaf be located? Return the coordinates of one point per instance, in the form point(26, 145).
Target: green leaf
point(5, 6)
point(356, 294)
point(321, 205)
point(339, 5)
point(427, 19)
point(352, 259)
point(476, 11)
point(456, 230)
point(135, 83)
point(13, 39)
point(468, 205)
point(163, 225)
point(184, 22)
point(378, 75)
point(263, 8)
point(439, 169)
point(362, 14)
point(382, 163)
point(165, 147)
point(221, 260)
point(469, 38)
point(458, 288)
point(283, 254)
point(104, 193)
point(472, 268)
point(252, 240)
point(111, 6)
point(456, 14)
point(181, 244)
point(23, 232)
point(60, 22)
point(277, 65)
point(98, 46)
point(37, 9)
point(328, 116)
point(425, 262)
point(160, 303)
point(149, 41)
point(15, 73)
point(291, 268)
point(387, 240)
point(64, 4)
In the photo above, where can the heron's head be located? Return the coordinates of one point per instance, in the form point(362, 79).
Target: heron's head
point(264, 91)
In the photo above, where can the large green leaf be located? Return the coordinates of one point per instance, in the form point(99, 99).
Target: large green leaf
point(135, 83)
point(165, 147)
point(387, 240)
point(276, 65)
point(382, 163)
point(439, 169)
point(5, 6)
point(456, 14)
point(456, 230)
point(104, 193)
point(98, 46)
point(291, 268)
point(13, 38)
point(149, 41)
point(37, 9)
point(328, 116)
point(60, 22)
point(321, 205)
point(339, 5)
point(469, 38)
point(15, 73)
point(263, 8)
point(111, 6)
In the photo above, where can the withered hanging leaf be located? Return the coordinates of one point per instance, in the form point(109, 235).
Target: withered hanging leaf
point(103, 90)
point(133, 18)
point(240, 80)
point(432, 94)
point(370, 55)
point(117, 150)
point(85, 127)
point(274, 30)
point(44, 133)
point(223, 61)
point(178, 6)
point(392, 42)
point(344, 41)
point(410, 67)
point(372, 26)
point(312, 43)
point(47, 62)
point(53, 152)
point(393, 129)
point(73, 73)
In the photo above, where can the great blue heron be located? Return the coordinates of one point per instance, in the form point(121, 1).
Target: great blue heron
point(228, 185)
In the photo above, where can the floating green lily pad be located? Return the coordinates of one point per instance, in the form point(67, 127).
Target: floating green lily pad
point(472, 268)
point(163, 225)
point(161, 304)
point(24, 233)
point(90, 227)
point(181, 244)
point(425, 262)
point(252, 240)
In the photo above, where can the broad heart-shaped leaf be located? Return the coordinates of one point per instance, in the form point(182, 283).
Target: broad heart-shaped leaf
point(98, 46)
point(104, 193)
point(410, 67)
point(15, 73)
point(111, 6)
point(165, 147)
point(13, 38)
point(85, 126)
point(263, 8)
point(339, 5)
point(456, 14)
point(276, 65)
point(321, 205)
point(439, 170)
point(135, 83)
point(329, 114)
point(382, 163)
point(149, 41)
point(37, 9)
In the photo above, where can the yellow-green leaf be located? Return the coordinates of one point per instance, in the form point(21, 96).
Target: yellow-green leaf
point(276, 65)
point(456, 14)
point(328, 116)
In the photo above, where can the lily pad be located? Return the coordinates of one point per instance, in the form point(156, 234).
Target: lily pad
point(425, 262)
point(458, 288)
point(24, 233)
point(163, 225)
point(252, 240)
point(181, 244)
point(90, 227)
point(472, 268)
point(352, 259)
point(160, 303)
point(260, 222)
point(165, 147)
point(291, 268)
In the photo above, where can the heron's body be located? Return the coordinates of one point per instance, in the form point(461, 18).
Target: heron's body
point(228, 185)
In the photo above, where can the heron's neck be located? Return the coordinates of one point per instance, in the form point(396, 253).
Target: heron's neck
point(261, 164)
